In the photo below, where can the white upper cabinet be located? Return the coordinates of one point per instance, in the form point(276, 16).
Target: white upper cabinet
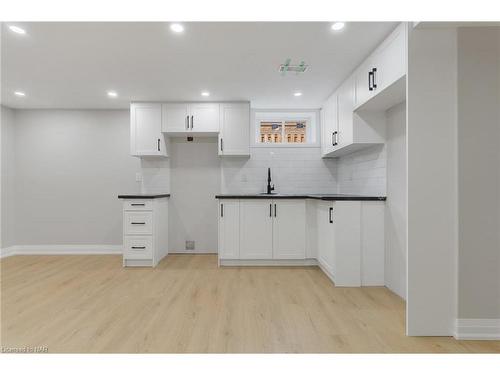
point(384, 67)
point(329, 124)
point(363, 82)
point(355, 118)
point(205, 117)
point(146, 138)
point(345, 108)
point(390, 59)
point(289, 229)
point(182, 118)
point(234, 136)
point(175, 117)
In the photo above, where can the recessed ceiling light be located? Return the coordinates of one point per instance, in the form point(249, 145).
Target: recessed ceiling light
point(177, 28)
point(19, 93)
point(17, 29)
point(298, 93)
point(338, 26)
point(205, 93)
point(112, 94)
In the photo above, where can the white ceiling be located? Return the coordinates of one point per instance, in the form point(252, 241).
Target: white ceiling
point(72, 65)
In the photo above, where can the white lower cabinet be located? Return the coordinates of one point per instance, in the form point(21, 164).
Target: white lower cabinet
point(256, 229)
point(326, 240)
point(229, 229)
point(348, 236)
point(266, 229)
point(351, 242)
point(145, 231)
point(289, 229)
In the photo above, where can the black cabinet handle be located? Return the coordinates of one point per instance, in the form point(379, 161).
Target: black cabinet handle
point(374, 76)
point(158, 144)
point(333, 136)
point(270, 210)
point(139, 247)
point(330, 212)
point(137, 223)
point(192, 122)
point(275, 210)
point(187, 122)
point(221, 210)
point(222, 144)
point(370, 78)
point(138, 204)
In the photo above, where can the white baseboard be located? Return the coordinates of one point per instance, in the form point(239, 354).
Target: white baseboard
point(327, 271)
point(7, 252)
point(477, 329)
point(61, 250)
point(191, 252)
point(268, 262)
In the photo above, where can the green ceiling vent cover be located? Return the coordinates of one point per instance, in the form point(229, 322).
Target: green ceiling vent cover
point(288, 67)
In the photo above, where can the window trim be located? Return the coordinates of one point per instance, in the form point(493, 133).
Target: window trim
point(283, 115)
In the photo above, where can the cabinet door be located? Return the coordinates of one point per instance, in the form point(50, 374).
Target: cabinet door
point(347, 236)
point(229, 229)
point(204, 117)
point(234, 136)
point(289, 229)
point(329, 124)
point(326, 233)
point(364, 90)
point(390, 59)
point(146, 138)
point(175, 117)
point(256, 229)
point(345, 113)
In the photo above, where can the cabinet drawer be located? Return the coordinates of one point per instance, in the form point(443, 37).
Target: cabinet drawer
point(138, 247)
point(137, 205)
point(138, 222)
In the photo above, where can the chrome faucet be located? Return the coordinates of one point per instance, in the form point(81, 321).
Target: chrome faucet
point(269, 187)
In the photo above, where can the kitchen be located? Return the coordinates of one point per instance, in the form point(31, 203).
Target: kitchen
point(201, 185)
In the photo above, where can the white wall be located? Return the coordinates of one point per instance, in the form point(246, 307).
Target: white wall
point(70, 165)
point(395, 206)
point(432, 175)
point(293, 170)
point(363, 172)
point(479, 173)
point(195, 180)
point(7, 175)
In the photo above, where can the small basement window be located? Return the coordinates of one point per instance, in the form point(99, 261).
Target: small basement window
point(285, 129)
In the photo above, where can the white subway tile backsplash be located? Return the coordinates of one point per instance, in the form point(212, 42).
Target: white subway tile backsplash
point(294, 170)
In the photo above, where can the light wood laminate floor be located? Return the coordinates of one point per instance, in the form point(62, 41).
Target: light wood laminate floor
point(91, 304)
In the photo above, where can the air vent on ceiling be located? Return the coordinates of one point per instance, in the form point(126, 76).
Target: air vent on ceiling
point(288, 67)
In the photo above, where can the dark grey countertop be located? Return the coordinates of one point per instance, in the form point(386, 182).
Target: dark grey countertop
point(143, 196)
point(325, 197)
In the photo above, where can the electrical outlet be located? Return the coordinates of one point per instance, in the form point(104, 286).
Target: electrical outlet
point(138, 177)
point(189, 245)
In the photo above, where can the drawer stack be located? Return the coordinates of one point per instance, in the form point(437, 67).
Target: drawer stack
point(145, 231)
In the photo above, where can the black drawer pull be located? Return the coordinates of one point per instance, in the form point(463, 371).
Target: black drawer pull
point(138, 204)
point(330, 219)
point(137, 223)
point(139, 247)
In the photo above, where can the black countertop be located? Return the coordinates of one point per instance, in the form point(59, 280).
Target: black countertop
point(143, 196)
point(325, 197)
